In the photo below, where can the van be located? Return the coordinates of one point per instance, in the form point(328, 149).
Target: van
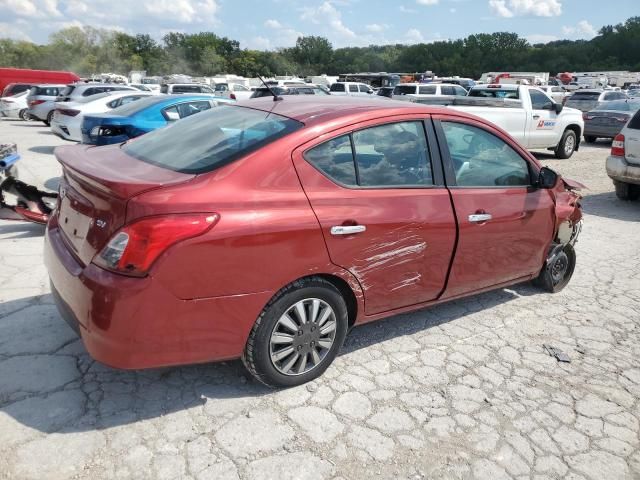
point(27, 78)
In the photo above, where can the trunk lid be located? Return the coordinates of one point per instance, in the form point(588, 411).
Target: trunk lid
point(96, 185)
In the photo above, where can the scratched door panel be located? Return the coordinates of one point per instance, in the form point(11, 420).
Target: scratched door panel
point(403, 256)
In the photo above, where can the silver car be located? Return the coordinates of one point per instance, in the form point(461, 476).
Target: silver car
point(40, 101)
point(77, 92)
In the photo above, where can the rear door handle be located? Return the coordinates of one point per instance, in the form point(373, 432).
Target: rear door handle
point(347, 229)
point(535, 117)
point(480, 217)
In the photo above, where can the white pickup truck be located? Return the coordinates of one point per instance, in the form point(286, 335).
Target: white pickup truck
point(525, 112)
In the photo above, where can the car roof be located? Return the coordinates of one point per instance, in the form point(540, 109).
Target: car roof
point(313, 109)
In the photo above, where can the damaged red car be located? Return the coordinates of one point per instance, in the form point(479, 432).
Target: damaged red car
point(266, 230)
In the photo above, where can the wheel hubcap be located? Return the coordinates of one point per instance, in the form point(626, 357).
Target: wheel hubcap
point(569, 144)
point(302, 337)
point(559, 268)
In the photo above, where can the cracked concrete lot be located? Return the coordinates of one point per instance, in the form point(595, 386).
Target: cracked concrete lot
point(463, 390)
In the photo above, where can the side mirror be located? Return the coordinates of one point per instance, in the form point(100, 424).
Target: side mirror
point(558, 107)
point(172, 116)
point(547, 178)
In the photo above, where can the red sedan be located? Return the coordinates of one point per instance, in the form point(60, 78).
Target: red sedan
point(265, 230)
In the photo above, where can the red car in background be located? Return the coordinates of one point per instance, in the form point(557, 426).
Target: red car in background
point(266, 229)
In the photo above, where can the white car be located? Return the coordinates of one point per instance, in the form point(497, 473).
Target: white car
point(407, 91)
point(67, 116)
point(15, 106)
point(350, 88)
point(556, 93)
point(525, 112)
point(234, 91)
point(623, 165)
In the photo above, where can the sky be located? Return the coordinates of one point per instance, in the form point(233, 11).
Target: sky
point(270, 24)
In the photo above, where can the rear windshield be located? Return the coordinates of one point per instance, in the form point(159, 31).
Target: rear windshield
point(264, 92)
point(585, 96)
point(67, 90)
point(634, 124)
point(45, 91)
point(494, 93)
point(211, 139)
point(620, 106)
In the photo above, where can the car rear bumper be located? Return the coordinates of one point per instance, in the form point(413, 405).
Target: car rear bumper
point(601, 131)
point(134, 323)
point(620, 170)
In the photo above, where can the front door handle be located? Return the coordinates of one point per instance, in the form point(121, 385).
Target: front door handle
point(535, 117)
point(480, 217)
point(347, 229)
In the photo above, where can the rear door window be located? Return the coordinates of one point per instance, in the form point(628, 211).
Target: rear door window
point(353, 88)
point(447, 90)
point(385, 156)
point(428, 90)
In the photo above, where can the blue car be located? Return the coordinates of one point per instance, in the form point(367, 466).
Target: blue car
point(137, 118)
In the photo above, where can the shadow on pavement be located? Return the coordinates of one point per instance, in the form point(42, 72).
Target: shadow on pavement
point(609, 206)
point(49, 382)
point(21, 230)
point(47, 149)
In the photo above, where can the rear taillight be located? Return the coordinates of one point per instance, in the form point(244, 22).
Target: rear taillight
point(617, 146)
point(232, 96)
point(33, 103)
point(109, 131)
point(134, 248)
point(68, 112)
point(586, 116)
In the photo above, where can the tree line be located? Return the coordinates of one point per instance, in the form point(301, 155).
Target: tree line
point(88, 50)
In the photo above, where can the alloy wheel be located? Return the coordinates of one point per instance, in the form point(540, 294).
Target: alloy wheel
point(302, 336)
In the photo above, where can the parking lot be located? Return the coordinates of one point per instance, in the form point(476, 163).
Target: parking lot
point(462, 390)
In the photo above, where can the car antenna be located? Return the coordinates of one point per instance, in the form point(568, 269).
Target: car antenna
point(275, 95)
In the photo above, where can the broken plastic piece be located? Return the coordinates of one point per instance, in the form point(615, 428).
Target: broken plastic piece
point(557, 353)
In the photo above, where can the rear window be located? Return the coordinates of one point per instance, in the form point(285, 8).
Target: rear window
point(15, 89)
point(45, 91)
point(494, 93)
point(67, 90)
point(634, 124)
point(337, 87)
point(405, 90)
point(585, 96)
point(132, 108)
point(264, 92)
point(211, 139)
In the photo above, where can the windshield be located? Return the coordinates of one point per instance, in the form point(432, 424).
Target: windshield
point(585, 96)
point(620, 106)
point(494, 93)
point(211, 139)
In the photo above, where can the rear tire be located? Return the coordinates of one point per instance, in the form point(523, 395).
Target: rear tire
point(567, 145)
point(556, 275)
point(47, 122)
point(626, 191)
point(590, 139)
point(286, 348)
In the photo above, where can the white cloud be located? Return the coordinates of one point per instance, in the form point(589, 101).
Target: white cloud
point(31, 8)
point(376, 27)
point(427, 2)
point(272, 24)
point(535, 8)
point(582, 30)
point(413, 35)
point(330, 18)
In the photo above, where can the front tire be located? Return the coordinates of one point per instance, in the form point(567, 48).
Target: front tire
point(555, 275)
point(24, 115)
point(626, 191)
point(298, 334)
point(47, 122)
point(567, 145)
